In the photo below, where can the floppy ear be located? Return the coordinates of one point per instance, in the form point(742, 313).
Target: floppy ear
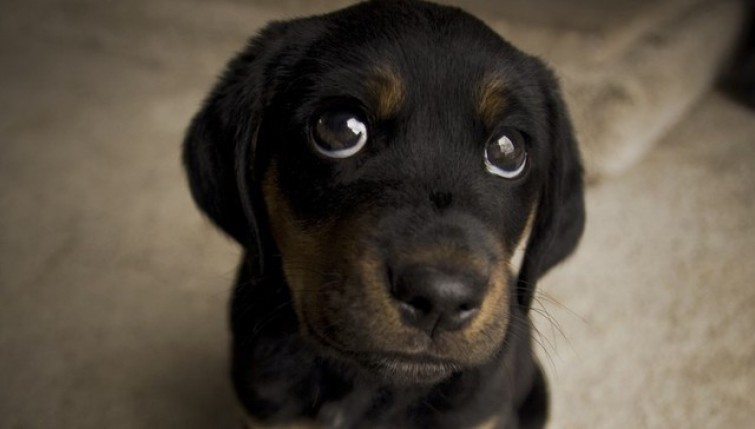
point(560, 214)
point(220, 144)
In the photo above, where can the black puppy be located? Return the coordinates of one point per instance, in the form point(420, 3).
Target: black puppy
point(380, 165)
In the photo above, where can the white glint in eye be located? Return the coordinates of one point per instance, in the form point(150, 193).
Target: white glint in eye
point(357, 127)
point(505, 145)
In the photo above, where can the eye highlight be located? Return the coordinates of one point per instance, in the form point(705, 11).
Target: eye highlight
point(339, 134)
point(506, 154)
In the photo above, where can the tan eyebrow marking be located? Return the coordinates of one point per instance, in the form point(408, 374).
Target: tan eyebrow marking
point(386, 88)
point(492, 100)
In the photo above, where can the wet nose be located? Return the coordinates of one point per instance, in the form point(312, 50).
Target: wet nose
point(435, 300)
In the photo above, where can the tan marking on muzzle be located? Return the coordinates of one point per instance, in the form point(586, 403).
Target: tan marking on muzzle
point(388, 326)
point(306, 251)
point(301, 248)
point(488, 328)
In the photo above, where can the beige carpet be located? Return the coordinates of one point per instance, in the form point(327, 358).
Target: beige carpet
point(113, 287)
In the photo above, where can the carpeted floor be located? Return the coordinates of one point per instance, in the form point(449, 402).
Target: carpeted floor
point(114, 288)
point(654, 316)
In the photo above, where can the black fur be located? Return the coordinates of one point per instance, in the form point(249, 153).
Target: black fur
point(261, 111)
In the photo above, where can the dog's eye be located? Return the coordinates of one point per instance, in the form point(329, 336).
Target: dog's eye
point(506, 154)
point(339, 134)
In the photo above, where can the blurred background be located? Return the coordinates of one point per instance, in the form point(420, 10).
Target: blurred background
point(113, 288)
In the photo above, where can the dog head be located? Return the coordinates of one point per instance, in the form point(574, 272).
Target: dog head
point(388, 159)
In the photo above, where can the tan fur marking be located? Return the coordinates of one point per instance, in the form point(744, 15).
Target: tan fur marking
point(305, 252)
point(301, 249)
point(492, 100)
point(491, 423)
point(388, 327)
point(489, 327)
point(517, 254)
point(387, 90)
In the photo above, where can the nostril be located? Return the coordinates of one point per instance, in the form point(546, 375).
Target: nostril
point(423, 305)
point(463, 313)
point(463, 308)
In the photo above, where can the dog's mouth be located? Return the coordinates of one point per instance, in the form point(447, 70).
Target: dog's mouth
point(405, 369)
point(390, 367)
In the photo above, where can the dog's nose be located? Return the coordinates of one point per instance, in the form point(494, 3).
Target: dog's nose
point(434, 300)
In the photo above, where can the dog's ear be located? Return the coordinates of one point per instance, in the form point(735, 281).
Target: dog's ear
point(560, 217)
point(220, 144)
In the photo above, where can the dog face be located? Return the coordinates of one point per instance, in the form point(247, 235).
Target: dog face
point(388, 159)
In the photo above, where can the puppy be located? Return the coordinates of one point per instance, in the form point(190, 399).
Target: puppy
point(380, 166)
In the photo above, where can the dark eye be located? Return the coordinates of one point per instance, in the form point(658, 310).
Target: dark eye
point(340, 134)
point(506, 154)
